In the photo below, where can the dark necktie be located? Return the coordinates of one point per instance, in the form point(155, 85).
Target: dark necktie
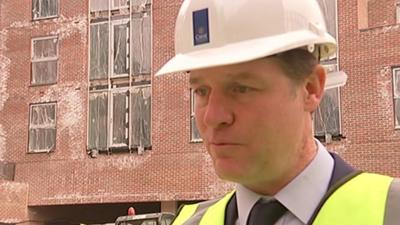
point(266, 212)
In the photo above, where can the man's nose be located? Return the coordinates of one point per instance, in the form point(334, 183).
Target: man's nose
point(218, 112)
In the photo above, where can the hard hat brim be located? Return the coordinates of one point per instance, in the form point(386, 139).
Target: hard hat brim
point(247, 51)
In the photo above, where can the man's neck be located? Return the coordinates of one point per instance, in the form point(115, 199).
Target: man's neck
point(271, 187)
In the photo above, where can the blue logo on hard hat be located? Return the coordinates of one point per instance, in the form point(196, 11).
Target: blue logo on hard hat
point(201, 33)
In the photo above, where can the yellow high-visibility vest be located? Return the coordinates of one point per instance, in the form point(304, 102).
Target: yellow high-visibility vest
point(366, 199)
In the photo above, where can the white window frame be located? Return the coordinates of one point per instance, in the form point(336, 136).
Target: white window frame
point(45, 59)
point(192, 119)
point(111, 118)
point(113, 6)
point(46, 17)
point(52, 126)
point(395, 96)
point(128, 47)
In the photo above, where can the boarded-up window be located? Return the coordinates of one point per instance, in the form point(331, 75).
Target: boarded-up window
point(122, 41)
point(44, 60)
point(120, 119)
point(329, 10)
point(194, 132)
point(121, 48)
point(99, 51)
point(141, 117)
point(141, 43)
point(98, 108)
point(396, 95)
point(327, 115)
point(44, 8)
point(120, 3)
point(98, 5)
point(140, 2)
point(326, 118)
point(42, 127)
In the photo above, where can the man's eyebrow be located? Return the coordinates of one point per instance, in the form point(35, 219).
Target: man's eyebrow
point(194, 80)
point(241, 76)
point(232, 77)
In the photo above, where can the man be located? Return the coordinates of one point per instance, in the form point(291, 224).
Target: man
point(254, 70)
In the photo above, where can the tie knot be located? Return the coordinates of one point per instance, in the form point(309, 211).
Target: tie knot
point(266, 212)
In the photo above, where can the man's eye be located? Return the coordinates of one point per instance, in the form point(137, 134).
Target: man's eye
point(201, 91)
point(241, 89)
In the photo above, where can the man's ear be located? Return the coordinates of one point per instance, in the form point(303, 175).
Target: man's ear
point(314, 88)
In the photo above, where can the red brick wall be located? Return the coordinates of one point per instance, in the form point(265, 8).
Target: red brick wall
point(367, 56)
point(381, 12)
point(13, 198)
point(173, 170)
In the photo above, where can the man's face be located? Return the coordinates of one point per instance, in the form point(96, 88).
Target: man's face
point(252, 120)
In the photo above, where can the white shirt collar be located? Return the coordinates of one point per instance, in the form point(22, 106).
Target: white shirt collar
point(301, 196)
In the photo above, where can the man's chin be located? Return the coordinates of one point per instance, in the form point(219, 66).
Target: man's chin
point(230, 176)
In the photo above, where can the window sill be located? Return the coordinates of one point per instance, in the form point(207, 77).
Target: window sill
point(115, 150)
point(322, 138)
point(194, 141)
point(45, 18)
point(380, 27)
point(41, 151)
point(45, 84)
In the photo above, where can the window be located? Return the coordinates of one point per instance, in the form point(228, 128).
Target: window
point(120, 38)
point(127, 126)
point(120, 4)
point(326, 117)
point(42, 127)
point(396, 96)
point(42, 9)
point(99, 51)
point(44, 60)
point(98, 5)
point(98, 113)
point(398, 13)
point(141, 43)
point(194, 132)
point(119, 118)
point(141, 117)
point(120, 76)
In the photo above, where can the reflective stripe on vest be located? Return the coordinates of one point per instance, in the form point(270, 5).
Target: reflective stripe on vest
point(360, 201)
point(392, 213)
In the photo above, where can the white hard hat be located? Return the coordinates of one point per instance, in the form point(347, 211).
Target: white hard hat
point(219, 32)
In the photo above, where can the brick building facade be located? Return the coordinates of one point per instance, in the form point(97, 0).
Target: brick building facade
point(369, 109)
point(67, 108)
